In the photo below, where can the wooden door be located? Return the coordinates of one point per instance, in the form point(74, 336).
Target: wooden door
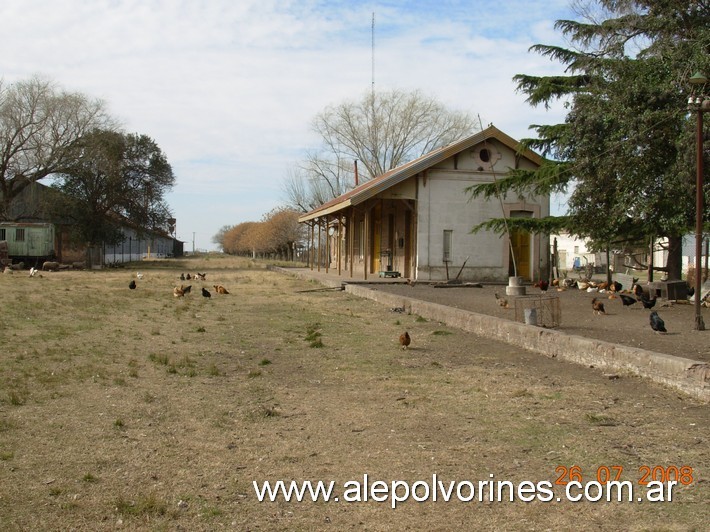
point(520, 243)
point(375, 238)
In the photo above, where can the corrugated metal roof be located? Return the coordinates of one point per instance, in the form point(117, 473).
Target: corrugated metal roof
point(395, 176)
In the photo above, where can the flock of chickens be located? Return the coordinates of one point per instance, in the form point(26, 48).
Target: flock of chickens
point(182, 290)
point(615, 290)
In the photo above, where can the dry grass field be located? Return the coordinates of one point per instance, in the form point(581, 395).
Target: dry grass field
point(136, 410)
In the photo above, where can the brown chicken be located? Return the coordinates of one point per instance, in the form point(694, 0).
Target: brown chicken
point(178, 292)
point(542, 285)
point(404, 340)
point(598, 306)
point(502, 302)
point(220, 289)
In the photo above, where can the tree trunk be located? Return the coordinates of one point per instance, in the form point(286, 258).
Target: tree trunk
point(608, 265)
point(674, 265)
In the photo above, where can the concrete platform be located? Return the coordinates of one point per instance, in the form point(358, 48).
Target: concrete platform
point(689, 376)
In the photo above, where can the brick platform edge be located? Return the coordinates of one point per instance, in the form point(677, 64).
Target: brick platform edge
point(689, 376)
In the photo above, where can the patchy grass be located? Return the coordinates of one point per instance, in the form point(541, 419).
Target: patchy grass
point(136, 410)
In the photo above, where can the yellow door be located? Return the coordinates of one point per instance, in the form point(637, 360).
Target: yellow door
point(520, 243)
point(375, 239)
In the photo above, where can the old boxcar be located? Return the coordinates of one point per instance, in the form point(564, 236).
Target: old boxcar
point(30, 242)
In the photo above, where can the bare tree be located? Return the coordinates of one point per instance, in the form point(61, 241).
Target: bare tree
point(38, 124)
point(381, 131)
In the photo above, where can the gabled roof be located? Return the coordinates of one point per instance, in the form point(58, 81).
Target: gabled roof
point(395, 176)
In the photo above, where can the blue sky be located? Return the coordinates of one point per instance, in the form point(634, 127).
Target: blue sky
point(228, 88)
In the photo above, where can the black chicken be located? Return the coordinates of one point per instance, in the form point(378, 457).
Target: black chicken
point(648, 303)
point(637, 290)
point(206, 293)
point(627, 300)
point(657, 323)
point(132, 285)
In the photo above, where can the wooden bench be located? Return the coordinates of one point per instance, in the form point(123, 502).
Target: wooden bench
point(390, 273)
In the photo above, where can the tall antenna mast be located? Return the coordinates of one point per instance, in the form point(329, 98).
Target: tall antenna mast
point(373, 53)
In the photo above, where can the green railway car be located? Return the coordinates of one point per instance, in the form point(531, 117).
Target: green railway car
point(28, 241)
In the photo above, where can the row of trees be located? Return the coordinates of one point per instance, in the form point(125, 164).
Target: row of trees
point(276, 236)
point(625, 151)
point(100, 175)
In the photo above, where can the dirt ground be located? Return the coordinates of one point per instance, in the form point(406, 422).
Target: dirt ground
point(620, 325)
point(136, 410)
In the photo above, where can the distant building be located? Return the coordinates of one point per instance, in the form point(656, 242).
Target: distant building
point(31, 207)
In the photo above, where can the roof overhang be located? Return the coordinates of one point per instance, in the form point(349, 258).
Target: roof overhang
point(395, 176)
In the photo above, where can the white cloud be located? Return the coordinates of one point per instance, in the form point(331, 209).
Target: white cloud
point(229, 89)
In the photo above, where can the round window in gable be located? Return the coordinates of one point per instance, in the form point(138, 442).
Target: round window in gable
point(484, 155)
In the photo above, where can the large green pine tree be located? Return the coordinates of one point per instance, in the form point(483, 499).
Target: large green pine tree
point(625, 150)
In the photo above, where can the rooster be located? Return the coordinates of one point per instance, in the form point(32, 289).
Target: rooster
point(502, 302)
point(598, 307)
point(542, 285)
point(404, 340)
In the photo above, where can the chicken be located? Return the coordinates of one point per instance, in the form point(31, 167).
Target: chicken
point(404, 340)
point(411, 282)
point(132, 285)
point(205, 292)
point(178, 292)
point(647, 302)
point(637, 290)
point(598, 306)
point(220, 289)
point(187, 277)
point(657, 323)
point(187, 289)
point(627, 300)
point(139, 275)
point(615, 286)
point(542, 285)
point(502, 302)
point(182, 276)
point(201, 276)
